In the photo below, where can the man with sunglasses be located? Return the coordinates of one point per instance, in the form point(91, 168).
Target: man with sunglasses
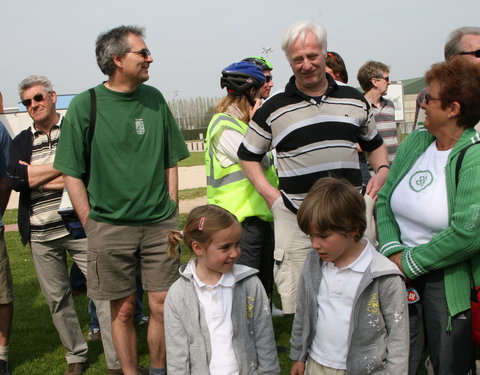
point(267, 68)
point(131, 198)
point(462, 43)
point(374, 80)
point(31, 172)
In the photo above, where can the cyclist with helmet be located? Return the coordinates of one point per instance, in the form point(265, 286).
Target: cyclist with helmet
point(267, 68)
point(227, 186)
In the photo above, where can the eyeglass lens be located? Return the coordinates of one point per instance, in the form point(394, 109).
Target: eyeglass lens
point(38, 98)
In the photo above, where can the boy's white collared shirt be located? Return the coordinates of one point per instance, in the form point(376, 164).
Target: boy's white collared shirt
point(338, 287)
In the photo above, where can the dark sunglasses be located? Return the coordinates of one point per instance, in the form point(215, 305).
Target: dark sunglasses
point(387, 78)
point(474, 53)
point(38, 98)
point(428, 98)
point(268, 79)
point(143, 52)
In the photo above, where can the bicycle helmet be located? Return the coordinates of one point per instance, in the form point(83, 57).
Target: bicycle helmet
point(263, 63)
point(240, 77)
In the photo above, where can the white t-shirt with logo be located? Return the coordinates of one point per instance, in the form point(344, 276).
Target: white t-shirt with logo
point(419, 202)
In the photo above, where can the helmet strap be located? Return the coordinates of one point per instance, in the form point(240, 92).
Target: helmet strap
point(249, 97)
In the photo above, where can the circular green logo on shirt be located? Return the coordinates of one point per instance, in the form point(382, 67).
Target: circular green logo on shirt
point(420, 180)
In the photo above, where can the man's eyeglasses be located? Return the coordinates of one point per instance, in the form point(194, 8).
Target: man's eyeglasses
point(387, 78)
point(38, 98)
point(143, 52)
point(428, 98)
point(268, 79)
point(474, 53)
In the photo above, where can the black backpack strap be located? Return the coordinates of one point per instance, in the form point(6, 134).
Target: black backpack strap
point(93, 114)
point(461, 155)
point(91, 132)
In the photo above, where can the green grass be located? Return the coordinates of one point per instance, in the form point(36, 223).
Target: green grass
point(35, 348)
point(10, 217)
point(192, 193)
point(195, 158)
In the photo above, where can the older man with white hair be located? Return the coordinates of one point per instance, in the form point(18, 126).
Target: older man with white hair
point(314, 126)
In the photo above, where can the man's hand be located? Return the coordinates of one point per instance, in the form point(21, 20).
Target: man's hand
point(258, 103)
point(78, 195)
point(376, 182)
point(298, 368)
point(254, 173)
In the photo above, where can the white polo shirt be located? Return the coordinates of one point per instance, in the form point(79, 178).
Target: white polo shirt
point(338, 287)
point(216, 301)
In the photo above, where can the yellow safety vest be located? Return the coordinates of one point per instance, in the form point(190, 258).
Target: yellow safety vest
point(228, 187)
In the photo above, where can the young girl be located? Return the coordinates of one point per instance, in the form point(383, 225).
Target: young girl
point(217, 316)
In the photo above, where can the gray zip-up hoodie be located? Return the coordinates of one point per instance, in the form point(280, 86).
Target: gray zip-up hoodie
point(378, 339)
point(187, 336)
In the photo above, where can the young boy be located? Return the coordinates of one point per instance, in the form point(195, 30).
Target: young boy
point(351, 315)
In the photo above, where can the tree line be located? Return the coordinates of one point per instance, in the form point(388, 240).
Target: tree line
point(193, 113)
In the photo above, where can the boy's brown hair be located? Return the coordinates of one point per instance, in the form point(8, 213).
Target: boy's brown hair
point(333, 205)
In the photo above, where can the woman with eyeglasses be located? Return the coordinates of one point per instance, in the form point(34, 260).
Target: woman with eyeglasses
point(429, 216)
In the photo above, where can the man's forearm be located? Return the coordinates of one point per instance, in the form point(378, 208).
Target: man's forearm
point(56, 184)
point(171, 176)
point(41, 174)
point(79, 197)
point(377, 159)
point(253, 171)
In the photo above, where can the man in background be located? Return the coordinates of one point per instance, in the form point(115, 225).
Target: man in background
point(267, 68)
point(374, 80)
point(6, 285)
point(31, 172)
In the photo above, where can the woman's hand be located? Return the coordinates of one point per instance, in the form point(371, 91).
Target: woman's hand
point(397, 259)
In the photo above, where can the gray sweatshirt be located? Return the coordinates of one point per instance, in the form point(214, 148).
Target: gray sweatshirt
point(187, 336)
point(378, 339)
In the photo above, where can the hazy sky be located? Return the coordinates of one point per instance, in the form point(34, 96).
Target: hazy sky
point(191, 41)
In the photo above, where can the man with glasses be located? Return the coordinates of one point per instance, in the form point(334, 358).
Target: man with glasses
point(267, 68)
point(31, 172)
point(374, 80)
point(131, 198)
point(462, 43)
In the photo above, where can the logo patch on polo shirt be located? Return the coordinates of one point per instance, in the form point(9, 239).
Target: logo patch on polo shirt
point(139, 127)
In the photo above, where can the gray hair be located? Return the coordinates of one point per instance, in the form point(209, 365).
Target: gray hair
point(35, 80)
point(371, 69)
point(299, 30)
point(452, 46)
point(114, 43)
